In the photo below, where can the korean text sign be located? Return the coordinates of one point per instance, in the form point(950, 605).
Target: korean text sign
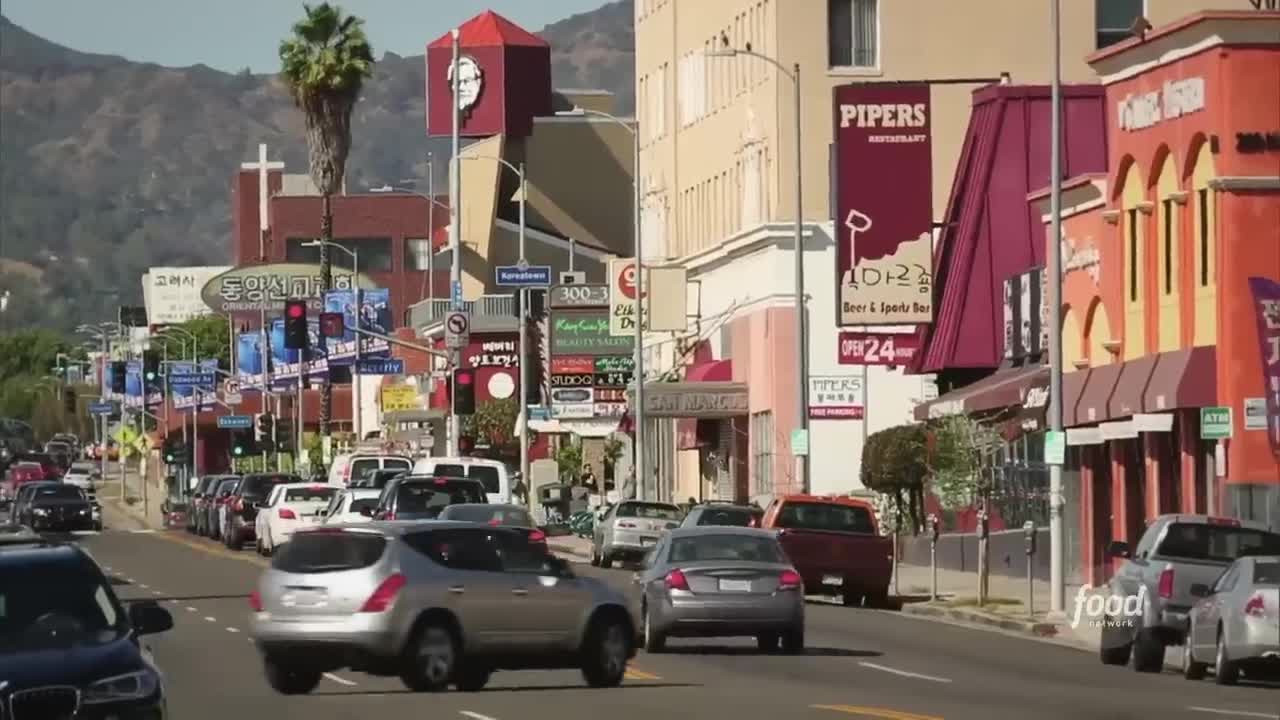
point(884, 205)
point(1266, 299)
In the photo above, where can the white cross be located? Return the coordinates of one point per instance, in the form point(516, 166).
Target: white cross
point(262, 166)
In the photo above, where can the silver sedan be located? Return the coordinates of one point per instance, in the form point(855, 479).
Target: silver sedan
point(721, 582)
point(1235, 625)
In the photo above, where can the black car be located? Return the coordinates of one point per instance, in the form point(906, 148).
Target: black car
point(68, 648)
point(242, 506)
point(56, 507)
point(413, 497)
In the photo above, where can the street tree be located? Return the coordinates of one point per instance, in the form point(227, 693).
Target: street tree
point(213, 340)
point(325, 63)
point(494, 423)
point(961, 453)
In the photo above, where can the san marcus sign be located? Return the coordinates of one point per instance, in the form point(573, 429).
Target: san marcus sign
point(703, 400)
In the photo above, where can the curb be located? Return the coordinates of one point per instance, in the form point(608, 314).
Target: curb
point(1028, 627)
point(568, 550)
point(121, 511)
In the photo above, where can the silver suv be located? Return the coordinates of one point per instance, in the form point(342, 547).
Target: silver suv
point(435, 603)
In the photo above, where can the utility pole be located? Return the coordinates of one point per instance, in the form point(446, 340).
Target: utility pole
point(524, 347)
point(1057, 599)
point(455, 237)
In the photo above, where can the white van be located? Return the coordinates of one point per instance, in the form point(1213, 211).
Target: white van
point(348, 468)
point(493, 474)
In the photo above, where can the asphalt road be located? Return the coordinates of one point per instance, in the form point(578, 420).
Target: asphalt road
point(860, 664)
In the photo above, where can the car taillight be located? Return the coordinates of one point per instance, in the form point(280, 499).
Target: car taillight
point(389, 516)
point(346, 474)
point(1256, 607)
point(239, 504)
point(255, 601)
point(1165, 588)
point(626, 524)
point(677, 581)
point(495, 522)
point(382, 598)
point(537, 536)
point(287, 514)
point(789, 580)
point(752, 523)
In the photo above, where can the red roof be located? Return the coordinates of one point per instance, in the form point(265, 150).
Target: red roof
point(489, 29)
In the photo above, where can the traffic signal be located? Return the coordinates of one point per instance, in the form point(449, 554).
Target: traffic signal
point(118, 370)
point(264, 431)
point(181, 452)
point(242, 444)
point(464, 391)
point(69, 401)
point(171, 450)
point(284, 434)
point(151, 365)
point(466, 444)
point(295, 324)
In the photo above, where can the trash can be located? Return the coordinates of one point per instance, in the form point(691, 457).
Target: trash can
point(555, 499)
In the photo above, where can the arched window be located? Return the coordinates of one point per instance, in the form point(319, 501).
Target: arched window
point(1072, 339)
point(1133, 223)
point(1168, 251)
point(1098, 334)
point(1205, 278)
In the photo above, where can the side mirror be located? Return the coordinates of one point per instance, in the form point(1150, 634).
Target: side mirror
point(1201, 590)
point(148, 618)
point(1118, 549)
point(259, 506)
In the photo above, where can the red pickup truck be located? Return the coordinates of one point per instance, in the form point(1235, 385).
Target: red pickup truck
point(835, 545)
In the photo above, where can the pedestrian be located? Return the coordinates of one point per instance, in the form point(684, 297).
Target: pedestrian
point(588, 479)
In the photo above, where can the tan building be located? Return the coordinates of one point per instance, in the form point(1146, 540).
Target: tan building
point(717, 171)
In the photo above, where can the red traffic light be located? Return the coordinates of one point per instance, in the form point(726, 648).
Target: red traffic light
point(295, 309)
point(464, 377)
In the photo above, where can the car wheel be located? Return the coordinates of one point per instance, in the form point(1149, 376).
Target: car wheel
point(432, 657)
point(1113, 650)
point(1225, 671)
point(1148, 652)
point(793, 641)
point(606, 561)
point(851, 598)
point(1191, 669)
point(767, 642)
point(290, 680)
point(654, 640)
point(595, 556)
point(471, 677)
point(605, 652)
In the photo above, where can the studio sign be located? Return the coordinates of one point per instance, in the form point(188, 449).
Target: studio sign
point(574, 380)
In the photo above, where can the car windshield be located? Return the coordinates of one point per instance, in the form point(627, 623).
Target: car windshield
point(85, 468)
point(825, 516)
point(487, 476)
point(324, 551)
point(309, 494)
point(727, 547)
point(450, 470)
point(739, 517)
point(58, 604)
point(652, 511)
point(1216, 543)
point(58, 492)
point(432, 497)
point(491, 514)
point(227, 486)
point(57, 447)
point(1266, 573)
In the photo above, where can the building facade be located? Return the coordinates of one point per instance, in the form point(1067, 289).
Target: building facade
point(717, 174)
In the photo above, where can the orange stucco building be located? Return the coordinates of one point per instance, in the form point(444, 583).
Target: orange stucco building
point(1158, 319)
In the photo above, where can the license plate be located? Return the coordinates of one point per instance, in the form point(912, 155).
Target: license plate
point(832, 580)
point(303, 598)
point(648, 541)
point(735, 585)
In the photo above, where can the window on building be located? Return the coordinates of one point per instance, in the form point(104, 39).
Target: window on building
point(1114, 18)
point(375, 253)
point(693, 88)
point(762, 453)
point(417, 254)
point(1168, 246)
point(1202, 203)
point(853, 33)
point(1133, 255)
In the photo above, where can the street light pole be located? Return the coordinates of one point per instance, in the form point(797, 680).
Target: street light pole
point(455, 237)
point(524, 347)
point(802, 323)
point(1057, 599)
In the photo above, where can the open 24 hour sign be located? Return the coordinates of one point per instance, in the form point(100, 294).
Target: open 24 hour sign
point(867, 348)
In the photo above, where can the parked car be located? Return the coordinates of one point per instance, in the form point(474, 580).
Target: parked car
point(508, 516)
point(723, 513)
point(494, 475)
point(422, 498)
point(52, 469)
point(62, 453)
point(71, 649)
point(381, 598)
point(289, 508)
point(200, 501)
point(835, 545)
point(217, 502)
point(353, 467)
point(630, 529)
point(18, 475)
point(1235, 626)
point(353, 505)
point(1174, 553)
point(84, 475)
point(240, 510)
point(719, 581)
point(55, 507)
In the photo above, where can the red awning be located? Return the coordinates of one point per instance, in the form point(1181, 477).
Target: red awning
point(1001, 389)
point(710, 371)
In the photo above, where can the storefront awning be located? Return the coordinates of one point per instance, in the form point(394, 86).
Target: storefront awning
point(1004, 388)
point(1073, 385)
point(1126, 399)
point(710, 371)
point(1095, 401)
point(1183, 379)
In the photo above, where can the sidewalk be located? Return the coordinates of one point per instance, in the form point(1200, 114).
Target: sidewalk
point(140, 504)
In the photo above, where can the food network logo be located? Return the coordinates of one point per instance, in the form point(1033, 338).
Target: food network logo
point(1108, 611)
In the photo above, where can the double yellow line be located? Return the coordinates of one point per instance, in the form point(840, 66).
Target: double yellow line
point(883, 713)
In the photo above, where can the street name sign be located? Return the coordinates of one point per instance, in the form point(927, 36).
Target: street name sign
point(102, 408)
point(235, 422)
point(202, 379)
point(385, 366)
point(529, 276)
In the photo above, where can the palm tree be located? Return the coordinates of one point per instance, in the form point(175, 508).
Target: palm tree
point(325, 63)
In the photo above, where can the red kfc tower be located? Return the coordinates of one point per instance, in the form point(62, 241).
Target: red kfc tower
point(504, 74)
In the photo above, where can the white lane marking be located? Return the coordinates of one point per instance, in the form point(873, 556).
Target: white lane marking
point(232, 630)
point(475, 715)
point(211, 619)
point(339, 680)
point(144, 586)
point(142, 532)
point(1237, 713)
point(904, 673)
point(190, 609)
point(156, 592)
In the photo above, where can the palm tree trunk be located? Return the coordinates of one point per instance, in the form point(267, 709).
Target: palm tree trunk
point(326, 283)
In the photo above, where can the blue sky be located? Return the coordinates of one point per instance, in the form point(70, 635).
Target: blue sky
point(233, 34)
